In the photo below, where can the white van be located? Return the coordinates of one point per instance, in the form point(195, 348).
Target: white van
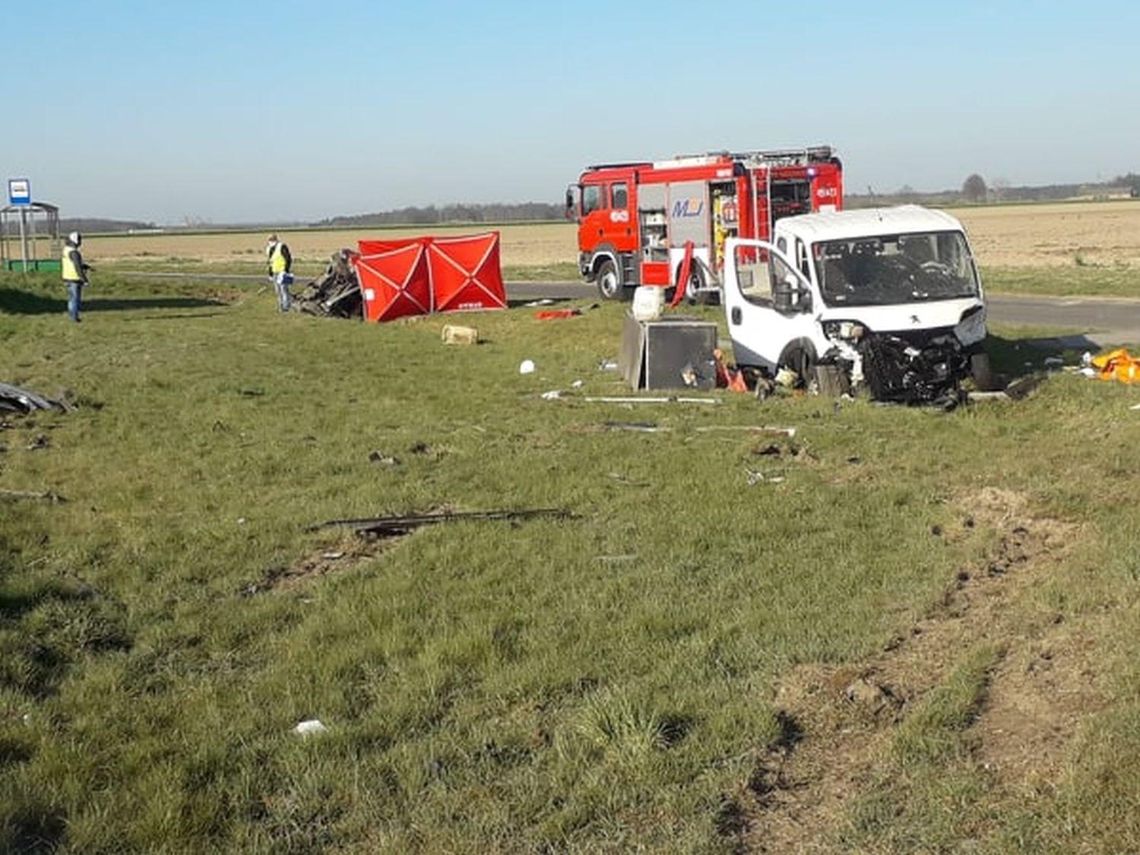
point(886, 297)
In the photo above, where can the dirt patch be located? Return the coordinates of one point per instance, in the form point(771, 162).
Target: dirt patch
point(337, 557)
point(846, 717)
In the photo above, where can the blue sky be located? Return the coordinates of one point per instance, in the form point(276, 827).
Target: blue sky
point(252, 111)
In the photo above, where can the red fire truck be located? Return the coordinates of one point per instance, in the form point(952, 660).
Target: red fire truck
point(637, 220)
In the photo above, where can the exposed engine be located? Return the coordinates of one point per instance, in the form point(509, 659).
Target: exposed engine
point(928, 369)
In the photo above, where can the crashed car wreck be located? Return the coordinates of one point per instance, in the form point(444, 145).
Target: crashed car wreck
point(888, 300)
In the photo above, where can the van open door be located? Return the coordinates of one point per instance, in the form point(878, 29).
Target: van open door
point(768, 303)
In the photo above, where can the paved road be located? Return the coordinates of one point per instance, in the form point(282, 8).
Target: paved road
point(1085, 321)
point(1099, 320)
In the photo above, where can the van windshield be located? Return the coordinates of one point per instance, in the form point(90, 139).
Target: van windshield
point(887, 269)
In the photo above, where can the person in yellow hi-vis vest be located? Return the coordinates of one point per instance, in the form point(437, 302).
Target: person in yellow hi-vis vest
point(280, 270)
point(74, 272)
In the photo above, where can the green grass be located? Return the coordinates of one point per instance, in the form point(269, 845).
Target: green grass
point(582, 684)
point(1082, 279)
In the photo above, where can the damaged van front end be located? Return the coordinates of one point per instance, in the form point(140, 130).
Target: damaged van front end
point(887, 300)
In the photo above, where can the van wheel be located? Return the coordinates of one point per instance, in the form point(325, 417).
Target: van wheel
point(802, 363)
point(982, 373)
point(609, 285)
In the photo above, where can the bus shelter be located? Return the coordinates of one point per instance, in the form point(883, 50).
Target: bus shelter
point(29, 237)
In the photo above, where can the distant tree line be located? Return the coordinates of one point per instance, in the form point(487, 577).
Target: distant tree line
point(499, 212)
point(976, 190)
point(98, 225)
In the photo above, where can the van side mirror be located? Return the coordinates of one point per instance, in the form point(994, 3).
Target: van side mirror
point(788, 295)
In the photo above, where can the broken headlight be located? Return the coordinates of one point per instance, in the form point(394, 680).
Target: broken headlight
point(844, 330)
point(972, 327)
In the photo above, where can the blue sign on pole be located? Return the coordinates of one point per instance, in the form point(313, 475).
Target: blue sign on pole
point(19, 191)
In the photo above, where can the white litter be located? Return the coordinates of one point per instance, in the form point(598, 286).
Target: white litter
point(1135, 407)
point(552, 395)
point(578, 384)
point(1088, 372)
point(526, 366)
point(309, 727)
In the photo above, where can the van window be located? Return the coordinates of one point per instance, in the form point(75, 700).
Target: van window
point(591, 198)
point(756, 271)
point(620, 196)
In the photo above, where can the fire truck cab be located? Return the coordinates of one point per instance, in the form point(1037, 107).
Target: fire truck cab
point(637, 221)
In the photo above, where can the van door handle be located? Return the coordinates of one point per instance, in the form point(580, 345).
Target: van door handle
point(736, 314)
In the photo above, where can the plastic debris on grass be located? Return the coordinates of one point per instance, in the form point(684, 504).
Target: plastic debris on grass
point(310, 727)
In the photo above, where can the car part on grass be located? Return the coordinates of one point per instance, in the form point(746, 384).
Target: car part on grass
point(47, 496)
point(13, 399)
point(453, 334)
point(789, 432)
point(394, 526)
point(336, 292)
point(671, 400)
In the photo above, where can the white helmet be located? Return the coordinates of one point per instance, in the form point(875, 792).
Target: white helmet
point(75, 238)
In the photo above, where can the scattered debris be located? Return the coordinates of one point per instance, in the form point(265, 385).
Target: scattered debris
point(608, 365)
point(251, 393)
point(38, 442)
point(420, 448)
point(988, 396)
point(1135, 407)
point(756, 477)
point(640, 427)
point(13, 399)
point(545, 301)
point(47, 495)
point(669, 400)
point(1117, 365)
point(557, 314)
point(394, 526)
point(336, 292)
point(577, 384)
point(383, 459)
point(453, 334)
point(552, 395)
point(526, 366)
point(1021, 387)
point(789, 432)
point(310, 727)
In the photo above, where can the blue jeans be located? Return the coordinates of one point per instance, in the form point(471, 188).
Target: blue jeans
point(74, 294)
point(281, 282)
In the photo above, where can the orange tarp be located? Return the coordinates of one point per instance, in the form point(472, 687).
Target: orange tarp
point(1117, 365)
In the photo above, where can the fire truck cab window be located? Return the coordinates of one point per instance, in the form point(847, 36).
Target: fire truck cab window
point(620, 196)
point(592, 198)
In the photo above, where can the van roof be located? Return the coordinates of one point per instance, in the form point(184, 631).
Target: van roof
point(844, 225)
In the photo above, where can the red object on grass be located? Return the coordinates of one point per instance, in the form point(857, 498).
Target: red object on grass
point(394, 284)
point(556, 314)
point(417, 276)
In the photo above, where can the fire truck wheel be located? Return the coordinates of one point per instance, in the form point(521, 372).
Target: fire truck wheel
point(609, 285)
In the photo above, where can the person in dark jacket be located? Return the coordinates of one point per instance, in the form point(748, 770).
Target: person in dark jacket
point(74, 272)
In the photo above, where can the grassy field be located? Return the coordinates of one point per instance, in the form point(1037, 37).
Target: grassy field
point(900, 630)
